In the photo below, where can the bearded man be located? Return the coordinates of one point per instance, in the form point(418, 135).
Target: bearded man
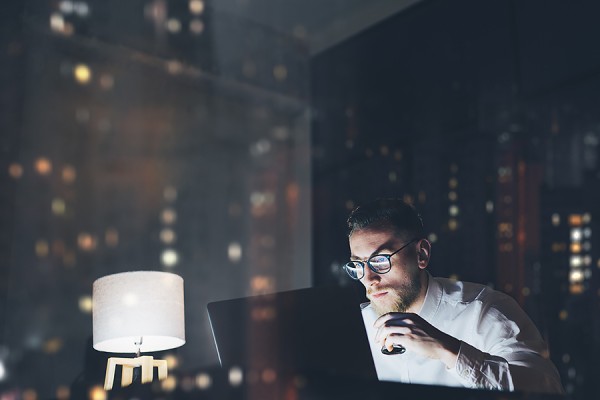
point(438, 331)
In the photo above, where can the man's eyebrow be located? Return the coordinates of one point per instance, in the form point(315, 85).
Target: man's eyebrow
point(378, 250)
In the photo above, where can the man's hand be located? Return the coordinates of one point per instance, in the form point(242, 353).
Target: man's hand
point(418, 335)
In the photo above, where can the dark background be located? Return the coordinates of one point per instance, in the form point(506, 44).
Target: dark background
point(133, 132)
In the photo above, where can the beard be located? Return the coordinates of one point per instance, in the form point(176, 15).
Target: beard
point(398, 298)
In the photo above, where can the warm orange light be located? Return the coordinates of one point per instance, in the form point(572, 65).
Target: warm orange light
point(52, 346)
point(111, 237)
point(576, 288)
point(575, 219)
point(86, 241)
point(43, 166)
point(575, 247)
point(15, 170)
point(97, 393)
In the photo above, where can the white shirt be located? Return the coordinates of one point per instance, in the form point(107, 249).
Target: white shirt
point(500, 346)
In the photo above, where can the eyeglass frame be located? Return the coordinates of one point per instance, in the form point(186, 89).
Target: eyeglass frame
point(367, 261)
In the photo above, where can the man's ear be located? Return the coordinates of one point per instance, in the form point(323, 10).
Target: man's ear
point(424, 253)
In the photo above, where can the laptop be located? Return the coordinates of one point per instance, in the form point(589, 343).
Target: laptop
point(313, 331)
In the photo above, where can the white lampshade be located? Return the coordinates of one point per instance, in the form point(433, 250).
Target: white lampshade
point(130, 305)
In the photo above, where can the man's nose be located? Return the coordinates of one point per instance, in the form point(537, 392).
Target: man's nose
point(370, 276)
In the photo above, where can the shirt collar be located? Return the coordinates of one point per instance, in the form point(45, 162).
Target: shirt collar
point(433, 298)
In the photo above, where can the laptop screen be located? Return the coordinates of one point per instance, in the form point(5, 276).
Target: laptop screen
point(311, 331)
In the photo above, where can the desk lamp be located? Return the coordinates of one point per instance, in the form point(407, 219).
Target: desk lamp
point(135, 312)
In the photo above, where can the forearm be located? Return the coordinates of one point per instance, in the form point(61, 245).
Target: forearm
point(522, 371)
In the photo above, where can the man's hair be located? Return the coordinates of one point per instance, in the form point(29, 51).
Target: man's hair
point(394, 214)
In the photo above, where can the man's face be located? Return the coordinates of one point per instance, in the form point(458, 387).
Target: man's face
point(398, 289)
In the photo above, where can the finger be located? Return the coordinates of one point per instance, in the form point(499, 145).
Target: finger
point(391, 340)
point(384, 332)
point(390, 316)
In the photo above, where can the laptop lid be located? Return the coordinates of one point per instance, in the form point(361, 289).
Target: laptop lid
point(311, 331)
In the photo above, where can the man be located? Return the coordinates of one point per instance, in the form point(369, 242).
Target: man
point(453, 333)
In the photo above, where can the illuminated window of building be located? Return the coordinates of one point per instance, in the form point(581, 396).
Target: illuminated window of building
point(505, 229)
point(576, 234)
point(169, 258)
point(575, 247)
point(452, 224)
point(167, 236)
point(173, 25)
point(262, 284)
point(197, 27)
point(453, 183)
point(86, 241)
point(269, 375)
point(575, 220)
point(58, 206)
point(489, 206)
point(236, 376)
point(85, 304)
point(563, 314)
point(203, 381)
point(587, 260)
point(63, 392)
point(452, 196)
point(168, 216)
point(575, 276)
point(106, 81)
point(555, 219)
point(587, 233)
point(82, 74)
point(174, 67)
point(52, 345)
point(453, 210)
point(586, 218)
point(169, 383)
point(43, 166)
point(41, 248)
point(15, 170)
point(57, 22)
point(575, 261)
point(576, 288)
point(69, 174)
point(234, 252)
point(111, 237)
point(196, 7)
point(504, 174)
point(432, 237)
point(558, 247)
point(280, 74)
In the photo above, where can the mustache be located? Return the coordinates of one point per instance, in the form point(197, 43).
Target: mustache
point(380, 289)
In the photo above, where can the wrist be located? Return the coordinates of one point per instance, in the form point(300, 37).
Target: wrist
point(450, 351)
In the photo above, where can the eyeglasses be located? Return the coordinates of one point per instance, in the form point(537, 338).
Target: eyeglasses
point(378, 263)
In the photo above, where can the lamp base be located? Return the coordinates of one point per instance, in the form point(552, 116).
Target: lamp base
point(147, 363)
